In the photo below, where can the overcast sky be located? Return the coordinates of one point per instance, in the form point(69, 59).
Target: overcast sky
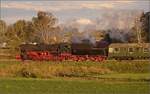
point(67, 10)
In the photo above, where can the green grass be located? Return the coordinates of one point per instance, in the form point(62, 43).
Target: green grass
point(71, 86)
point(108, 77)
point(125, 77)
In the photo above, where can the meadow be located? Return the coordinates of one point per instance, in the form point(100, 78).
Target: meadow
point(43, 77)
point(70, 86)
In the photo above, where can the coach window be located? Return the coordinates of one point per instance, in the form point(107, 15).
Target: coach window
point(116, 50)
point(131, 50)
point(110, 50)
point(138, 49)
point(145, 50)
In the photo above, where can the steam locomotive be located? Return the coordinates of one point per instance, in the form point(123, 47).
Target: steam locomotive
point(64, 51)
point(84, 51)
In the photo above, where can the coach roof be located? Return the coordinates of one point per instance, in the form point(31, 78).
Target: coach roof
point(118, 45)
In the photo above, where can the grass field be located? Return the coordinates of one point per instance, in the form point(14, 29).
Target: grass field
point(108, 77)
point(71, 86)
point(38, 69)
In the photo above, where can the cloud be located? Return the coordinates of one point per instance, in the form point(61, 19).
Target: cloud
point(98, 5)
point(59, 6)
point(41, 5)
point(125, 1)
point(84, 21)
point(12, 19)
point(23, 5)
point(70, 9)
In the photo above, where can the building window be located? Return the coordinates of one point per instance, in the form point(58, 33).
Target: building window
point(116, 50)
point(131, 50)
point(145, 50)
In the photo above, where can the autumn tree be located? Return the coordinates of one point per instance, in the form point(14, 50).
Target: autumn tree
point(132, 36)
point(68, 34)
point(3, 28)
point(18, 33)
point(45, 29)
point(98, 34)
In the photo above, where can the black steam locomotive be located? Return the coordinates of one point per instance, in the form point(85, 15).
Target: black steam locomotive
point(64, 51)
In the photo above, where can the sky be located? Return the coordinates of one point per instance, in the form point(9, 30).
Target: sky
point(83, 12)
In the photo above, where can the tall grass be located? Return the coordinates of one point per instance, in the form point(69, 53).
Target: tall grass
point(42, 70)
point(128, 66)
point(70, 69)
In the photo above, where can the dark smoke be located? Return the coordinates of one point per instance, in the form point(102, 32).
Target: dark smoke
point(83, 38)
point(117, 23)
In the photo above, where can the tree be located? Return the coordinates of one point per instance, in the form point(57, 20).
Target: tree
point(29, 32)
point(132, 36)
point(45, 29)
point(68, 33)
point(18, 33)
point(3, 28)
point(145, 28)
point(19, 30)
point(98, 34)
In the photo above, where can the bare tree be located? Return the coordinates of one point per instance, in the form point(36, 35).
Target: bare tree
point(45, 27)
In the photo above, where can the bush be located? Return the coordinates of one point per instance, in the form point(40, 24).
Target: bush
point(24, 72)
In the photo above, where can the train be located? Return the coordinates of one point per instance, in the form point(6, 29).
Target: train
point(84, 51)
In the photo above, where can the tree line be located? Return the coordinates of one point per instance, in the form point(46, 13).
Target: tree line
point(43, 28)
